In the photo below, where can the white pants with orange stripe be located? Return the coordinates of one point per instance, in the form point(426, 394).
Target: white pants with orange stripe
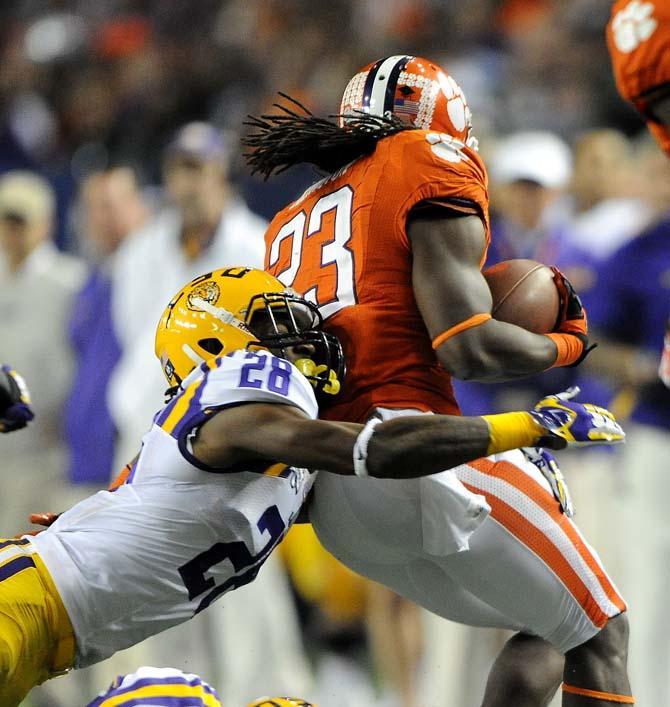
point(527, 567)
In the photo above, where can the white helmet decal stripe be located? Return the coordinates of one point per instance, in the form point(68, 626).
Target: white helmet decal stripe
point(220, 313)
point(385, 72)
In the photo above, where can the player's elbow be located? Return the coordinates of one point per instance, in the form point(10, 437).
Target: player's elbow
point(467, 364)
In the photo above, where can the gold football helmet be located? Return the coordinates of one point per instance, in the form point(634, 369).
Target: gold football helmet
point(240, 308)
point(280, 702)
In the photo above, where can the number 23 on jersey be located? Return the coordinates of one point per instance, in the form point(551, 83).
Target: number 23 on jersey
point(313, 254)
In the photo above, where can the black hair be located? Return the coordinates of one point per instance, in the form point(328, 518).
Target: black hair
point(288, 138)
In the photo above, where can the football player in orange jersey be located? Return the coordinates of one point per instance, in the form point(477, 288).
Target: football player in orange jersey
point(638, 39)
point(389, 245)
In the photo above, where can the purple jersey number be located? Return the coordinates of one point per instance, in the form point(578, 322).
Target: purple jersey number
point(257, 374)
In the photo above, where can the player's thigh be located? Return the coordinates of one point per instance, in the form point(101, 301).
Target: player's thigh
point(362, 521)
point(26, 642)
point(414, 576)
point(529, 561)
point(427, 583)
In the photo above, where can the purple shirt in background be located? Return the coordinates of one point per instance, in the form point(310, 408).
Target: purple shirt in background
point(631, 303)
point(89, 430)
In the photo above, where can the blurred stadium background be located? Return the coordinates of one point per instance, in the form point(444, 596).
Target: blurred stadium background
point(96, 182)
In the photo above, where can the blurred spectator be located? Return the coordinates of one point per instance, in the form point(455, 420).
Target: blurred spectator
point(628, 312)
point(528, 173)
point(606, 211)
point(37, 286)
point(206, 226)
point(110, 208)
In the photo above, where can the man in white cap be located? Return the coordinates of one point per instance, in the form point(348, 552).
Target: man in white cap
point(528, 171)
point(204, 226)
point(37, 285)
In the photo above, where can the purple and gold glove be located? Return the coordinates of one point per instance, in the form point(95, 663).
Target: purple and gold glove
point(578, 424)
point(15, 411)
point(548, 467)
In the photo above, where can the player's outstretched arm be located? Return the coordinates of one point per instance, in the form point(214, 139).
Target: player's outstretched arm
point(405, 447)
point(455, 302)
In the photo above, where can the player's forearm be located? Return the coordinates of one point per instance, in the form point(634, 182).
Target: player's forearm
point(411, 446)
point(408, 447)
point(496, 351)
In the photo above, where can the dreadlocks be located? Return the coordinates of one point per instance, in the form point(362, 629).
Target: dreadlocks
point(289, 138)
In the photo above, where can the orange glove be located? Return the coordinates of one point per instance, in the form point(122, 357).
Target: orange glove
point(571, 332)
point(45, 519)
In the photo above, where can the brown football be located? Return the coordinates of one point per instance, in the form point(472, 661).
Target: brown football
point(524, 294)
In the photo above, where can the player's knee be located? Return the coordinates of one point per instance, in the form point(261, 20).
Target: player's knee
point(529, 669)
point(610, 645)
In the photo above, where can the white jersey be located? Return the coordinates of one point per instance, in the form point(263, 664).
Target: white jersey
point(177, 535)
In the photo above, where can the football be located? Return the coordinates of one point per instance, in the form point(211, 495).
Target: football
point(524, 294)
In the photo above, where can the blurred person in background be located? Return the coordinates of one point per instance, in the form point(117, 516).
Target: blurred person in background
point(37, 289)
point(110, 208)
point(607, 208)
point(628, 310)
point(333, 603)
point(205, 226)
point(529, 172)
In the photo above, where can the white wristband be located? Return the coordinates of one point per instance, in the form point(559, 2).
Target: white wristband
point(361, 447)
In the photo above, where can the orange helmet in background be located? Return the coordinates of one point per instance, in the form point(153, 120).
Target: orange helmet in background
point(638, 39)
point(414, 89)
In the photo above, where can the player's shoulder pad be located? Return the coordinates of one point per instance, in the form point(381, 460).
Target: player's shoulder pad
point(424, 155)
point(250, 376)
point(168, 684)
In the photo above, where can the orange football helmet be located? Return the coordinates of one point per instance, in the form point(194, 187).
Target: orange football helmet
point(638, 39)
point(415, 90)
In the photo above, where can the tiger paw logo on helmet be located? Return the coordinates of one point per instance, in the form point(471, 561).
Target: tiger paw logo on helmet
point(633, 25)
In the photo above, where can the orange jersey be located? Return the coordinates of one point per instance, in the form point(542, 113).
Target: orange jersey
point(638, 39)
point(344, 245)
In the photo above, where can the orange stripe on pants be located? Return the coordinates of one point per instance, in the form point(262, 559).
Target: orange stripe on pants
point(539, 543)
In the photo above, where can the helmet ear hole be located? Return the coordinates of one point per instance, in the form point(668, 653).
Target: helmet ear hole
point(211, 345)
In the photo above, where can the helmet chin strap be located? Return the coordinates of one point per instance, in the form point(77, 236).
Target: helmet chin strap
point(223, 315)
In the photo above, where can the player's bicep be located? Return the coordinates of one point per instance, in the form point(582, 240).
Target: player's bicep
point(448, 284)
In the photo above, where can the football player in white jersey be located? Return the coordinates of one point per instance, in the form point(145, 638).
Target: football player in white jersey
point(220, 477)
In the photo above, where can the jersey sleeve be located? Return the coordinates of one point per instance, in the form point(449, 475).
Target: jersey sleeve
point(428, 168)
point(240, 378)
